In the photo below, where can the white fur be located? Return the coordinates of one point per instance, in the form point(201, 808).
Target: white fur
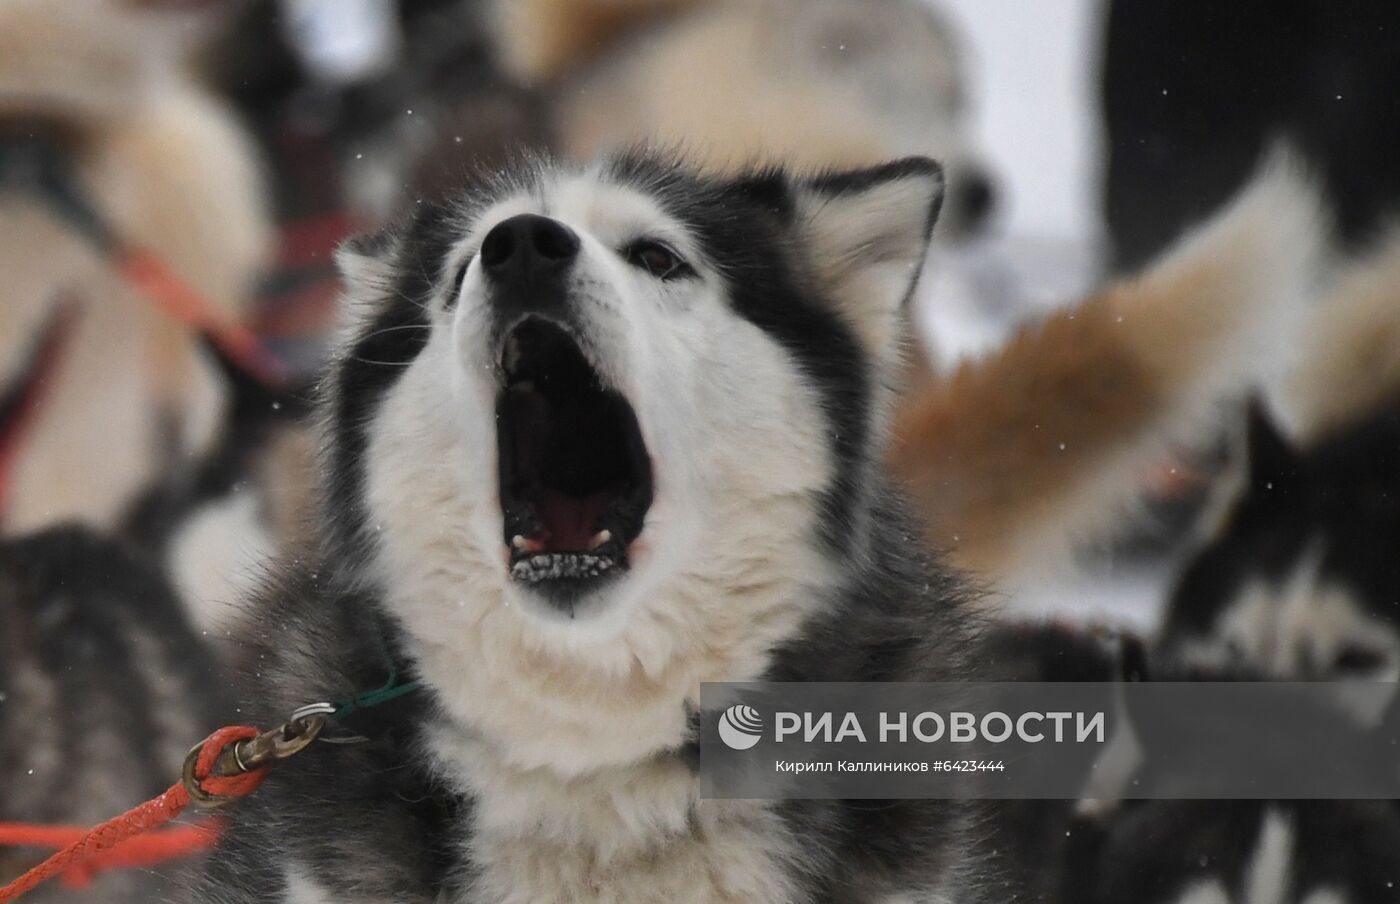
point(553, 724)
point(1270, 873)
point(215, 557)
point(302, 889)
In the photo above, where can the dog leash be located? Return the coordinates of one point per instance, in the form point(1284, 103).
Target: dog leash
point(228, 765)
point(218, 769)
point(32, 160)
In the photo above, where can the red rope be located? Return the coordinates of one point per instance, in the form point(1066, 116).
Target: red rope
point(141, 851)
point(159, 283)
point(107, 843)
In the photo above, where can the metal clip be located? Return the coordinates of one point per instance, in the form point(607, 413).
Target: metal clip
point(327, 737)
point(245, 756)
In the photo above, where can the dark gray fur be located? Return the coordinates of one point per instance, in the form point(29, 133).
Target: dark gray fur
point(103, 688)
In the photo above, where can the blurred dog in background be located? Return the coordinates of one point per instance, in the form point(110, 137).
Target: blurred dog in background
point(108, 401)
point(1294, 578)
point(101, 90)
point(1023, 456)
point(1297, 576)
point(809, 84)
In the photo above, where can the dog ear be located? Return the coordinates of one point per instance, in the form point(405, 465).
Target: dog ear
point(869, 231)
point(366, 260)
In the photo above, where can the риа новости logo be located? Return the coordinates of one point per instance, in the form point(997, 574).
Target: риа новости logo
point(740, 727)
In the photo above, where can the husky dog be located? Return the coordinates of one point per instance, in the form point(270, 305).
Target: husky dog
point(1018, 458)
point(596, 437)
point(813, 84)
point(102, 684)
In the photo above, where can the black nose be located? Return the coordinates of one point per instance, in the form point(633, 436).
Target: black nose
point(528, 245)
point(976, 197)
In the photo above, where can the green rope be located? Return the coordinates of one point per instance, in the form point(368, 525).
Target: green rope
point(389, 691)
point(369, 699)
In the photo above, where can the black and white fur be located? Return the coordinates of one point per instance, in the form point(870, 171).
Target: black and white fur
point(1298, 581)
point(550, 756)
point(1301, 579)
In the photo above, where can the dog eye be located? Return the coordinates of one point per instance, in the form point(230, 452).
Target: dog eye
point(458, 278)
point(657, 259)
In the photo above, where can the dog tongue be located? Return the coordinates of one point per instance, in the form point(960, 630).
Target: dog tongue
point(570, 520)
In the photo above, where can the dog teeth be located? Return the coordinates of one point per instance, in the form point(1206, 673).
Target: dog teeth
point(603, 536)
point(526, 544)
point(554, 566)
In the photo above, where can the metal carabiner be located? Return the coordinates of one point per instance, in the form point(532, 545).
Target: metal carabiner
point(281, 743)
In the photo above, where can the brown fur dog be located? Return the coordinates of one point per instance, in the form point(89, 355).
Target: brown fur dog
point(1017, 457)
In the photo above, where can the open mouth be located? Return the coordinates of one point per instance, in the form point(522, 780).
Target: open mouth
point(575, 475)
